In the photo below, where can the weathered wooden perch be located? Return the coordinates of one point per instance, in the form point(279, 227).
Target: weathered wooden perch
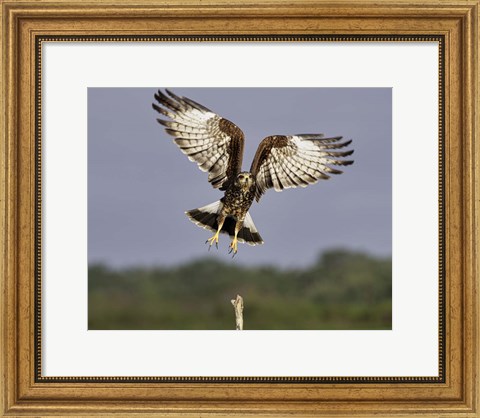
point(238, 306)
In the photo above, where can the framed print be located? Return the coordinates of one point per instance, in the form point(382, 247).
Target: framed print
point(135, 283)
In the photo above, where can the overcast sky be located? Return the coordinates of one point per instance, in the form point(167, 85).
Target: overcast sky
point(140, 184)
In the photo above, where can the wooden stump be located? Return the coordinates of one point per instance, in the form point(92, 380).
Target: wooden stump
point(238, 306)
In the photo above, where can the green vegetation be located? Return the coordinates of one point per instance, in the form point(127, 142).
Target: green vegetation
point(343, 290)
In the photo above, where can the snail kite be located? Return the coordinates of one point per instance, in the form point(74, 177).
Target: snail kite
point(216, 145)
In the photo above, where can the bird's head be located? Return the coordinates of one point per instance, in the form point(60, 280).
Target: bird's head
point(244, 180)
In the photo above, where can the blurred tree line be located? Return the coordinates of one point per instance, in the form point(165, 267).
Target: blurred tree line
point(342, 290)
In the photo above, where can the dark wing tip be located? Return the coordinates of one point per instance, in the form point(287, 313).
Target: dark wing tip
point(311, 136)
point(331, 139)
point(159, 96)
point(196, 105)
point(174, 96)
point(171, 132)
point(332, 170)
point(347, 153)
point(163, 122)
point(160, 110)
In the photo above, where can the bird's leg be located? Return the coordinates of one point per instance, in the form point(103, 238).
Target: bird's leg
point(234, 244)
point(214, 239)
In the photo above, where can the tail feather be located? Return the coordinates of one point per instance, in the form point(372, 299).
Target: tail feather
point(249, 232)
point(206, 217)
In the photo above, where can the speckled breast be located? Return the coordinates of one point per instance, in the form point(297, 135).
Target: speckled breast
point(237, 201)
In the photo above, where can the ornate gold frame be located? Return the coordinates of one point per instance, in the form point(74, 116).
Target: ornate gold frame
point(26, 23)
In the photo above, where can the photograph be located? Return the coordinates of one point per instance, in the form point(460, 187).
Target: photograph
point(173, 245)
point(230, 208)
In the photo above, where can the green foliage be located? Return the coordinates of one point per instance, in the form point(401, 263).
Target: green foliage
point(343, 290)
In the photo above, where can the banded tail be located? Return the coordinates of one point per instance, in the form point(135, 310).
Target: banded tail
point(206, 217)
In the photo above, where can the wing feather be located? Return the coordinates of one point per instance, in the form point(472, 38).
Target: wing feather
point(214, 143)
point(283, 162)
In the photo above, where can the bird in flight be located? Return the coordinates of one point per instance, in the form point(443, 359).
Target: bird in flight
point(216, 145)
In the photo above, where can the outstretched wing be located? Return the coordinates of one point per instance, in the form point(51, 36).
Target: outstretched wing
point(214, 143)
point(282, 161)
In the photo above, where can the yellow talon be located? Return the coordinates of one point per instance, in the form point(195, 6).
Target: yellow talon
point(212, 240)
point(234, 246)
